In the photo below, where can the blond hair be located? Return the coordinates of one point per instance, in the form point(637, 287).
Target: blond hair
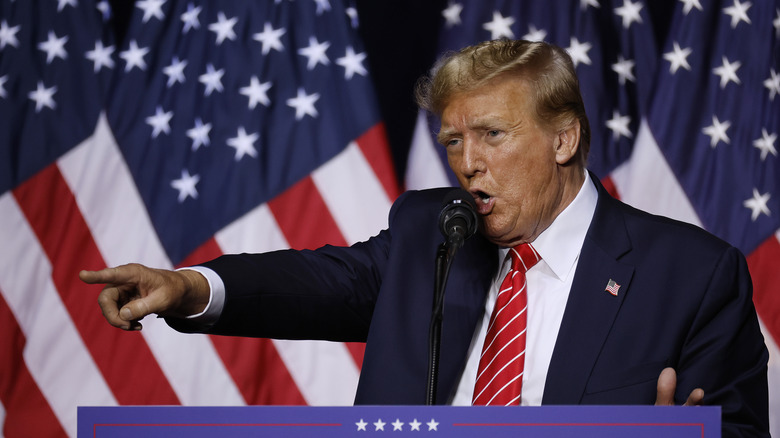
point(547, 68)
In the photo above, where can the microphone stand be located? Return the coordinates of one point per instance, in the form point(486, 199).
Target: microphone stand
point(444, 256)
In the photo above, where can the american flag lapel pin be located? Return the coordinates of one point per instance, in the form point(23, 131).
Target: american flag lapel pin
point(612, 287)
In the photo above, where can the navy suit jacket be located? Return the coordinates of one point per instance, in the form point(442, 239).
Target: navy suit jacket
point(685, 301)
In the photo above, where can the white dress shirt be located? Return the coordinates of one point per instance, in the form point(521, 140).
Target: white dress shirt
point(548, 283)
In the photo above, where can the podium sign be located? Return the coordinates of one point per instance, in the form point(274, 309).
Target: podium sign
point(399, 421)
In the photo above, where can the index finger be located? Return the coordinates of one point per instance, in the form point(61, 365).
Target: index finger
point(121, 274)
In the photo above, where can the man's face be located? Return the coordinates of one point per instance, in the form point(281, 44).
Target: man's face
point(510, 164)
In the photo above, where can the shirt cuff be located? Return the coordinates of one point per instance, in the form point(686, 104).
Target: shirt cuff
point(216, 303)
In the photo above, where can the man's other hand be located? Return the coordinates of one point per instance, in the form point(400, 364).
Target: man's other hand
point(667, 384)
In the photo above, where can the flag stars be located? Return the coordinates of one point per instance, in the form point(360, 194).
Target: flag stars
point(160, 122)
point(186, 185)
point(62, 3)
point(212, 79)
point(738, 12)
point(257, 92)
point(8, 35)
point(190, 18)
point(585, 3)
point(677, 58)
point(773, 84)
point(54, 47)
point(629, 12)
point(270, 38)
point(379, 425)
point(151, 8)
point(3, 80)
point(315, 53)
point(244, 144)
point(134, 56)
point(757, 204)
point(776, 23)
point(766, 144)
point(105, 9)
point(415, 425)
point(175, 71)
point(433, 425)
point(101, 56)
point(322, 6)
point(618, 124)
point(223, 28)
point(398, 425)
point(500, 26)
point(579, 51)
point(304, 104)
point(452, 14)
point(352, 63)
point(535, 34)
point(623, 68)
point(199, 134)
point(717, 132)
point(43, 97)
point(728, 72)
point(353, 17)
point(688, 6)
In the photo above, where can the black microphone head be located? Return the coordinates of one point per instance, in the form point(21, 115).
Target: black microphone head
point(458, 214)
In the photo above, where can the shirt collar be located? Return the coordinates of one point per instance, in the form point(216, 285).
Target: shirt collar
point(560, 244)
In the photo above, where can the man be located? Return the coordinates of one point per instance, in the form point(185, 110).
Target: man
point(622, 308)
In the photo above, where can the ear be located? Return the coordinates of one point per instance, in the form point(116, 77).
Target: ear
point(567, 143)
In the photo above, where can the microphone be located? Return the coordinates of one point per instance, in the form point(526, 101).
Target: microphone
point(458, 222)
point(458, 217)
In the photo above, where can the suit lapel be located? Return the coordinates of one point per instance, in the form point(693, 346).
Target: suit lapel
point(464, 304)
point(591, 308)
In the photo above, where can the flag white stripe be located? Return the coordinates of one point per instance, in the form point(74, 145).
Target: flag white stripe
point(773, 375)
point(353, 194)
point(640, 179)
point(63, 370)
point(112, 208)
point(424, 169)
point(324, 372)
point(2, 419)
point(256, 231)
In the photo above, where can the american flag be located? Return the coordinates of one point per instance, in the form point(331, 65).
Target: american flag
point(683, 99)
point(211, 127)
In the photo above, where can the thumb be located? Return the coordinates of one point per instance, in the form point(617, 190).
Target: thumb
point(667, 383)
point(138, 308)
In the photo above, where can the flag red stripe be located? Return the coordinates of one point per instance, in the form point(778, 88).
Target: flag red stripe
point(306, 222)
point(610, 186)
point(373, 144)
point(766, 278)
point(27, 411)
point(304, 217)
point(254, 364)
point(51, 209)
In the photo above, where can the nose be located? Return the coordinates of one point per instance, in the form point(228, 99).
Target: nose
point(472, 160)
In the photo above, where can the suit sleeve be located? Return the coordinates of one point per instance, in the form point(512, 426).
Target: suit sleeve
point(724, 352)
point(324, 294)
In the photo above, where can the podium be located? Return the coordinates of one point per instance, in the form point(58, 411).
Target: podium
point(399, 421)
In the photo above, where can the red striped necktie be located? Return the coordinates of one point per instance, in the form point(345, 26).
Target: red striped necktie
point(500, 373)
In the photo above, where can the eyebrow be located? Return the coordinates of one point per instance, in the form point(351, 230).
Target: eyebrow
point(442, 135)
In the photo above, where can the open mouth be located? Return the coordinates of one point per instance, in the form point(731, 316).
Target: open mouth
point(484, 202)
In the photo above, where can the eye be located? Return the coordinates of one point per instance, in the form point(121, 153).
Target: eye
point(493, 133)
